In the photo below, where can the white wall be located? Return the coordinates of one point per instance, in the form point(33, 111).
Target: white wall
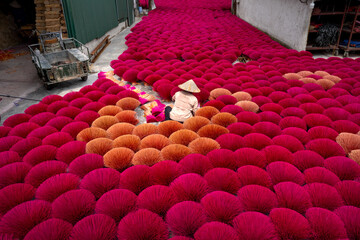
point(285, 20)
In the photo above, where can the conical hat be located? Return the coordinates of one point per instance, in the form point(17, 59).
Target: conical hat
point(189, 86)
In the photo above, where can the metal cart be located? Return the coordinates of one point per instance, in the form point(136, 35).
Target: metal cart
point(58, 60)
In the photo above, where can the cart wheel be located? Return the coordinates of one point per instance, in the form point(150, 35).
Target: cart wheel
point(84, 78)
point(346, 54)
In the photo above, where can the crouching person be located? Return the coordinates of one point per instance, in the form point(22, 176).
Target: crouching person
point(185, 104)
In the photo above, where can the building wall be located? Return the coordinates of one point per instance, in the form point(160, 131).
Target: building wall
point(285, 20)
point(89, 20)
point(113, 32)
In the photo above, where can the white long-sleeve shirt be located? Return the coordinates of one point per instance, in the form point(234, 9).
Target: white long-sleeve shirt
point(185, 105)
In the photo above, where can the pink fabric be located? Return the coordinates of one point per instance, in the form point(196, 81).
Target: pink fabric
point(151, 118)
point(160, 117)
point(157, 110)
point(143, 100)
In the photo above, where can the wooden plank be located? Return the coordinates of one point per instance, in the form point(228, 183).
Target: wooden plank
point(53, 25)
point(41, 29)
point(52, 16)
point(50, 2)
point(99, 49)
point(100, 44)
point(327, 13)
point(350, 48)
point(49, 12)
point(56, 5)
point(52, 29)
point(53, 10)
point(331, 47)
point(52, 21)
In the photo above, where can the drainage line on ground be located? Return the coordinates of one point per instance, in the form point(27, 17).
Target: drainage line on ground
point(30, 99)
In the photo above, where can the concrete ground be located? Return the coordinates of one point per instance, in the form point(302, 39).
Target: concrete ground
point(22, 86)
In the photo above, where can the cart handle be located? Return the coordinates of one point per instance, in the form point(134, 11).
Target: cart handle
point(34, 54)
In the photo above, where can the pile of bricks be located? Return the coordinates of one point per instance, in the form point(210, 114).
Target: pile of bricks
point(50, 17)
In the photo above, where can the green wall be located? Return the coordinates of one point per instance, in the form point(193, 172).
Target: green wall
point(90, 19)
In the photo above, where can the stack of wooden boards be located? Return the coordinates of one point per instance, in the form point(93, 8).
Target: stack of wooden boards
point(50, 17)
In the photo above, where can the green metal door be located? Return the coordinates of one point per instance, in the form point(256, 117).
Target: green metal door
point(130, 7)
point(89, 19)
point(121, 6)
